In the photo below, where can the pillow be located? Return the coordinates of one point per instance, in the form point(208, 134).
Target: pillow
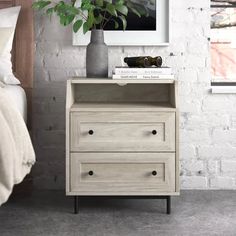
point(8, 21)
point(5, 34)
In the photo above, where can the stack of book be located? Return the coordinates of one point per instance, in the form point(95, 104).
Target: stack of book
point(142, 73)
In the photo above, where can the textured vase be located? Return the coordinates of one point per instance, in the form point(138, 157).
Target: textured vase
point(97, 56)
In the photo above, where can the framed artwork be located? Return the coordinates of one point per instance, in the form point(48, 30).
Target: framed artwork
point(223, 43)
point(144, 31)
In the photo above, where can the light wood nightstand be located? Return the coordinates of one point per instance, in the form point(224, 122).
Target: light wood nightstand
point(122, 138)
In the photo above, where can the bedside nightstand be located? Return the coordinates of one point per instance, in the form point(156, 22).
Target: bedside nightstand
point(122, 138)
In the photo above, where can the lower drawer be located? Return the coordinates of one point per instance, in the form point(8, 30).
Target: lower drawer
point(122, 173)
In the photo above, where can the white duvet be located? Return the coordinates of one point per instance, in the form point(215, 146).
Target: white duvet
point(16, 151)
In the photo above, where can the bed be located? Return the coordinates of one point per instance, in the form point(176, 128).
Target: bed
point(18, 95)
point(23, 49)
point(22, 60)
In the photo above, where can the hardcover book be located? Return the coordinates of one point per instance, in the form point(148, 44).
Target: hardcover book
point(143, 71)
point(155, 76)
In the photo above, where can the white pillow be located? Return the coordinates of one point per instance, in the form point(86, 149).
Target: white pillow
point(8, 20)
point(5, 34)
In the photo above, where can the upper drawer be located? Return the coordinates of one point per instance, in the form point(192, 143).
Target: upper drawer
point(123, 131)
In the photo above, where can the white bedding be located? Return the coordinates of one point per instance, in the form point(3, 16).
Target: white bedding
point(18, 96)
point(16, 151)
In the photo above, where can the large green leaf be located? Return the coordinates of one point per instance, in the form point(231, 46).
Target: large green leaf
point(65, 9)
point(124, 22)
point(69, 19)
point(77, 25)
point(142, 10)
point(59, 6)
point(111, 9)
point(122, 9)
point(120, 2)
point(70, 10)
point(98, 19)
point(99, 3)
point(85, 28)
point(85, 2)
point(63, 20)
point(86, 5)
point(116, 24)
point(91, 19)
point(135, 12)
point(131, 6)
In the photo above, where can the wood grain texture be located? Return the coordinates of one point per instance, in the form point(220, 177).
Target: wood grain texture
point(6, 3)
point(177, 141)
point(122, 118)
point(115, 93)
point(119, 106)
point(69, 103)
point(123, 131)
point(116, 173)
point(23, 48)
point(121, 82)
point(24, 44)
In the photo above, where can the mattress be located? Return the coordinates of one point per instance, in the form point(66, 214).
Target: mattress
point(18, 95)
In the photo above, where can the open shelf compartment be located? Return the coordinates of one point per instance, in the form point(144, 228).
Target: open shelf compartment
point(132, 95)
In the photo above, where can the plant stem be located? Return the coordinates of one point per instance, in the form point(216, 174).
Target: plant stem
point(73, 2)
point(104, 17)
point(107, 21)
point(82, 15)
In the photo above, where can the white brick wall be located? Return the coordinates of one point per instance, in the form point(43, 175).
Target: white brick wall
point(207, 122)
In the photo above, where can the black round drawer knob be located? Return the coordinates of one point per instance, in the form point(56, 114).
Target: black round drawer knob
point(90, 132)
point(154, 173)
point(90, 172)
point(154, 132)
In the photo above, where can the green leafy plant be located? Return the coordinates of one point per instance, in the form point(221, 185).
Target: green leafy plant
point(91, 14)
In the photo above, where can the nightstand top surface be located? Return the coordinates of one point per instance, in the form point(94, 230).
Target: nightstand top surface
point(77, 80)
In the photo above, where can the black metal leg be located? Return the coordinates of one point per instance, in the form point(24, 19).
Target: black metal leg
point(76, 205)
point(168, 205)
point(167, 198)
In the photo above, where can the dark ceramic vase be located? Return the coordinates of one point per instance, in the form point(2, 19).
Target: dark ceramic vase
point(97, 56)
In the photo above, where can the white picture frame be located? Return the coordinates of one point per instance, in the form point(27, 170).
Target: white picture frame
point(158, 37)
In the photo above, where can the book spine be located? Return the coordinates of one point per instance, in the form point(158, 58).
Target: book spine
point(143, 76)
point(143, 71)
